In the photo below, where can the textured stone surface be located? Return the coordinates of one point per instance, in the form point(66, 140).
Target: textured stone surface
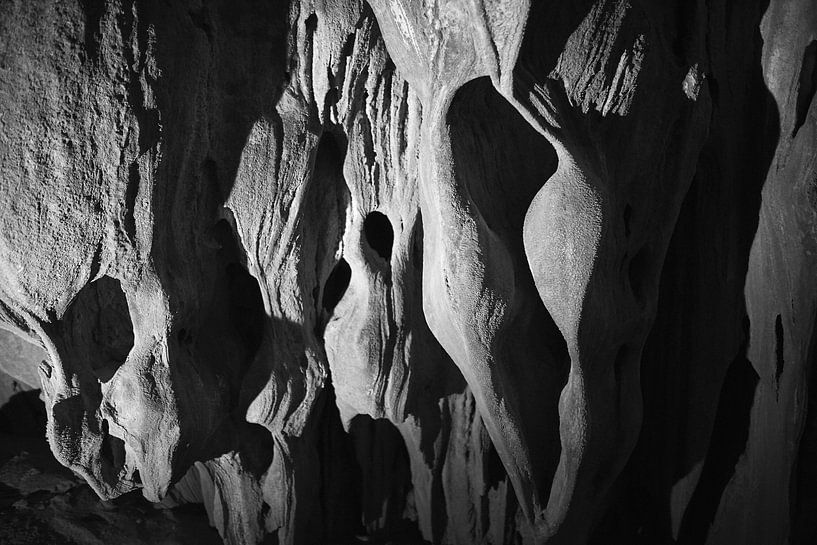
point(465, 271)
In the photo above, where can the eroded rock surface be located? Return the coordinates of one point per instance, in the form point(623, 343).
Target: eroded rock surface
point(465, 271)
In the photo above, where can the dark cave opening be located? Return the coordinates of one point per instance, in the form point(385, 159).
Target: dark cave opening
point(379, 233)
point(111, 337)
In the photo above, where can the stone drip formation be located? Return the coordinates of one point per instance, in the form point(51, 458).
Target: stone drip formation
point(494, 271)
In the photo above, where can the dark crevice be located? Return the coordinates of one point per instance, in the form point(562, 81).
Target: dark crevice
point(330, 197)
point(147, 120)
point(628, 216)
point(804, 472)
point(494, 468)
point(417, 245)
point(246, 306)
point(385, 479)
point(730, 434)
point(340, 475)
point(389, 67)
point(131, 192)
point(349, 44)
point(379, 234)
point(807, 85)
point(336, 285)
point(112, 453)
point(233, 325)
point(94, 12)
point(256, 446)
point(311, 24)
point(149, 129)
point(96, 261)
point(229, 249)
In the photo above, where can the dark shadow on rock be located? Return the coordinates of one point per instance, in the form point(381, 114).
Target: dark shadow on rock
point(541, 48)
point(730, 434)
point(501, 163)
point(804, 497)
point(24, 414)
point(340, 475)
point(223, 68)
point(386, 478)
point(694, 358)
point(42, 503)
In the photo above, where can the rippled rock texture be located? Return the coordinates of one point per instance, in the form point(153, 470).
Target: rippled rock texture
point(472, 271)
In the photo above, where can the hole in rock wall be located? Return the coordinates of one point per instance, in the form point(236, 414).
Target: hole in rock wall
point(94, 338)
point(101, 326)
point(379, 234)
point(256, 445)
point(336, 285)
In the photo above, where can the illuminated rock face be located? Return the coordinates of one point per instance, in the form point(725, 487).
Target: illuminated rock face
point(513, 271)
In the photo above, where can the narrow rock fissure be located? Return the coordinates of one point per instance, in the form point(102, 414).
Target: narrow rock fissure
point(807, 85)
point(729, 438)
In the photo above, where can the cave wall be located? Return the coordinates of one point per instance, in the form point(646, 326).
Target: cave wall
point(464, 271)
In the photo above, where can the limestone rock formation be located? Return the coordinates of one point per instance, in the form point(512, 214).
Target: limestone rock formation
point(461, 271)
